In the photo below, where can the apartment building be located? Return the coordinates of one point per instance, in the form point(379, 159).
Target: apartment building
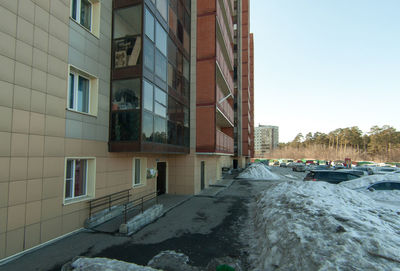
point(266, 139)
point(96, 96)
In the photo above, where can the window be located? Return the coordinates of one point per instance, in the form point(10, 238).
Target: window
point(79, 179)
point(79, 91)
point(81, 11)
point(82, 92)
point(149, 24)
point(162, 6)
point(148, 57)
point(161, 39)
point(136, 179)
point(147, 95)
point(139, 166)
point(127, 41)
point(161, 66)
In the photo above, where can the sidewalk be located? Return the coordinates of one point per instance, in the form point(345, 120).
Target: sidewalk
point(86, 242)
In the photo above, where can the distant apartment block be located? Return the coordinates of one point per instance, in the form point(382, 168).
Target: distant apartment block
point(97, 95)
point(266, 139)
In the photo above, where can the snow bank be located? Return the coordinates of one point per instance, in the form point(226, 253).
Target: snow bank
point(104, 264)
point(321, 226)
point(258, 171)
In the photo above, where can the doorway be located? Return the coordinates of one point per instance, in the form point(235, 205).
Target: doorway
point(202, 173)
point(161, 178)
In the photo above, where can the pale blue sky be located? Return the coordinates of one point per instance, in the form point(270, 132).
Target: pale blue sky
point(326, 64)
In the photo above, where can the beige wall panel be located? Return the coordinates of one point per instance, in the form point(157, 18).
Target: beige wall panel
point(23, 75)
point(39, 62)
point(55, 126)
point(38, 104)
point(34, 190)
point(101, 178)
point(23, 53)
point(15, 241)
point(16, 217)
point(3, 219)
point(70, 222)
point(5, 118)
point(19, 145)
point(73, 148)
point(20, 121)
point(36, 145)
point(18, 168)
point(55, 106)
point(50, 229)
point(2, 245)
point(53, 187)
point(44, 4)
point(7, 67)
point(17, 193)
point(74, 207)
point(10, 5)
point(37, 123)
point(54, 146)
point(5, 144)
point(6, 93)
point(53, 167)
point(35, 167)
point(32, 236)
point(51, 208)
point(33, 212)
point(94, 148)
point(26, 9)
point(58, 29)
point(58, 48)
point(22, 98)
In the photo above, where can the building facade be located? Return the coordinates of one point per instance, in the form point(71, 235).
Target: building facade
point(95, 95)
point(266, 140)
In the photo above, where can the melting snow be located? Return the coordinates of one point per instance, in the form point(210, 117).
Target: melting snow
point(104, 264)
point(321, 226)
point(258, 171)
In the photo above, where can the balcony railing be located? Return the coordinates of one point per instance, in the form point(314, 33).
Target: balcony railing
point(224, 106)
point(224, 68)
point(224, 143)
point(227, 34)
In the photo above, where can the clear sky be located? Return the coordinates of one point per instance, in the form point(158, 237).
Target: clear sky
point(326, 64)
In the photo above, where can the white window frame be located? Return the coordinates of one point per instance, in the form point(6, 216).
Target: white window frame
point(72, 187)
point(75, 90)
point(142, 172)
point(90, 180)
point(78, 13)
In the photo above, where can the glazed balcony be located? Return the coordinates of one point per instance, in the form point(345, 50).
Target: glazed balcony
point(224, 143)
point(224, 37)
point(225, 109)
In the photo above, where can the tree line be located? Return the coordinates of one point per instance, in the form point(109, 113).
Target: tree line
point(381, 144)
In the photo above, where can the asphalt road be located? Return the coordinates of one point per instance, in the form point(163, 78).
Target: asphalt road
point(203, 228)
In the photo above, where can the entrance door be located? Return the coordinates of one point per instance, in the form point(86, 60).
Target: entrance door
point(202, 177)
point(161, 178)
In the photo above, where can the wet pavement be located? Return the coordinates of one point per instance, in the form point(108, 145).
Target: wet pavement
point(203, 228)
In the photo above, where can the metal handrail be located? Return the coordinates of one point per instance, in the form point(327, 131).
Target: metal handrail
point(108, 201)
point(140, 201)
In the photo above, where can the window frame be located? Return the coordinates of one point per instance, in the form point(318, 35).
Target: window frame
point(76, 76)
point(78, 13)
point(73, 179)
point(142, 173)
point(90, 180)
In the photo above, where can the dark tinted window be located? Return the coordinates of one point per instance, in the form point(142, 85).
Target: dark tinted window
point(386, 186)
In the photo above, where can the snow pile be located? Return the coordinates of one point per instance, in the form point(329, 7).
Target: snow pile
point(104, 264)
point(321, 226)
point(370, 179)
point(258, 171)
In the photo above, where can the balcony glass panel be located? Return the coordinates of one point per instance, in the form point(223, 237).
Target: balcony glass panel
point(127, 36)
point(161, 66)
point(148, 57)
point(125, 125)
point(125, 94)
point(160, 130)
point(147, 126)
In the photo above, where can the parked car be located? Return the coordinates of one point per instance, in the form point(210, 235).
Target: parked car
point(321, 167)
point(283, 164)
point(331, 176)
point(384, 170)
point(299, 167)
point(291, 164)
point(276, 163)
point(360, 173)
point(384, 185)
point(366, 169)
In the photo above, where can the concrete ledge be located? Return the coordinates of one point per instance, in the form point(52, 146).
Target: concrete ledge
point(141, 220)
point(105, 215)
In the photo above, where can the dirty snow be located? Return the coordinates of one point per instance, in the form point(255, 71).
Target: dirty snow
point(104, 264)
point(321, 226)
point(258, 171)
